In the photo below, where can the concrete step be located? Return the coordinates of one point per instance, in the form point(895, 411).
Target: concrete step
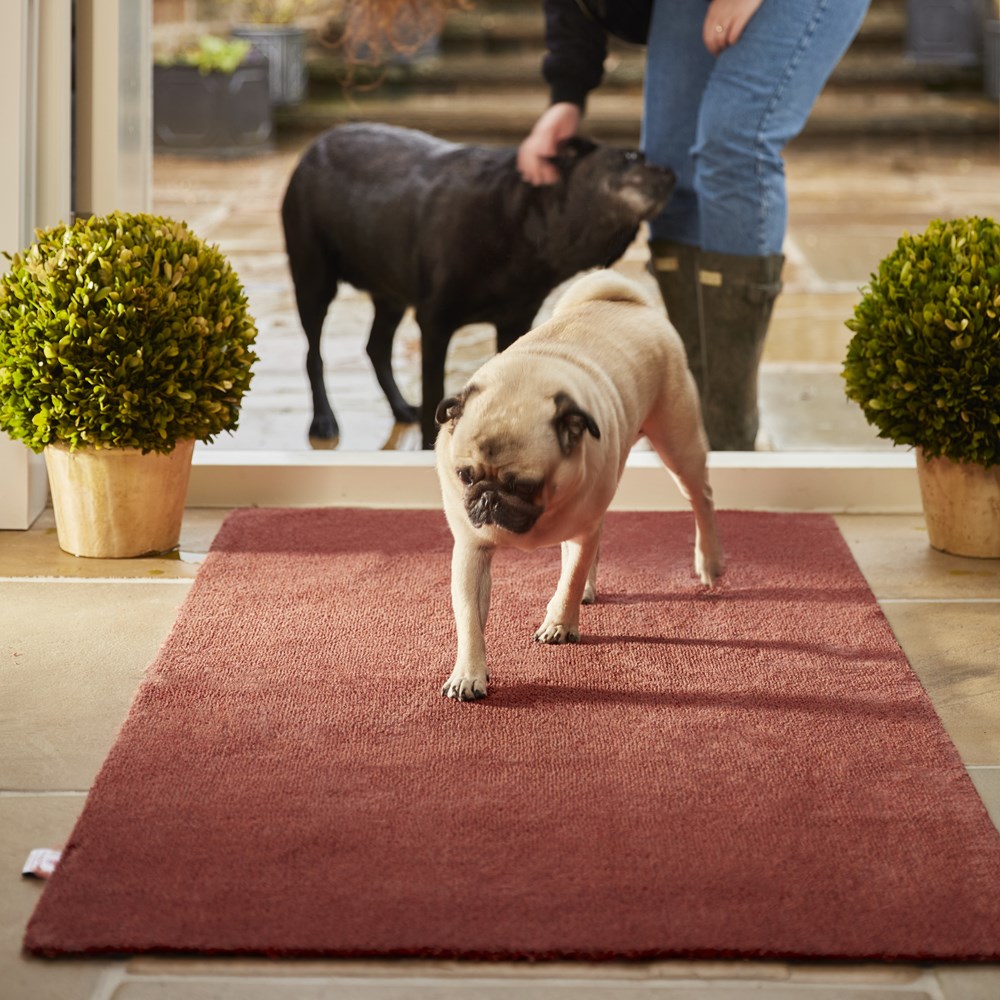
point(499, 118)
point(521, 70)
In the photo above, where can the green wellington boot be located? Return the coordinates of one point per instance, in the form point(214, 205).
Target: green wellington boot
point(735, 295)
point(675, 267)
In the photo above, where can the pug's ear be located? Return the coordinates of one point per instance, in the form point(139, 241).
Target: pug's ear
point(450, 409)
point(570, 423)
point(570, 152)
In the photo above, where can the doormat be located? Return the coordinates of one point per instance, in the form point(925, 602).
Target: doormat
point(750, 771)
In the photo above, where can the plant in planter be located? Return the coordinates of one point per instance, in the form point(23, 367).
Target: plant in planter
point(123, 340)
point(212, 97)
point(277, 11)
point(211, 54)
point(924, 365)
point(272, 27)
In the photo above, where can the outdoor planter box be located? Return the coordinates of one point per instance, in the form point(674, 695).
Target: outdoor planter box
point(991, 59)
point(213, 114)
point(945, 31)
point(284, 46)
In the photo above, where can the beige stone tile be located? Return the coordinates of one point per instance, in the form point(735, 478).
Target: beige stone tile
point(845, 253)
point(198, 530)
point(447, 969)
point(953, 650)
point(898, 562)
point(857, 973)
point(36, 552)
point(666, 973)
point(809, 326)
point(499, 990)
point(71, 656)
point(987, 782)
point(155, 966)
point(757, 972)
point(27, 822)
point(963, 982)
point(803, 408)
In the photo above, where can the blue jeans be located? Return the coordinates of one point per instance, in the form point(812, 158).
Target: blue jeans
point(721, 123)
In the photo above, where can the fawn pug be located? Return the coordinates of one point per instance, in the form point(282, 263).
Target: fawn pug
point(530, 453)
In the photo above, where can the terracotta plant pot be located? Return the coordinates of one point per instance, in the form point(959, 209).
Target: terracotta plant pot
point(115, 503)
point(961, 506)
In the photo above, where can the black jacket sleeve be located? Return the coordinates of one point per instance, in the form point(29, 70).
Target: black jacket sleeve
point(576, 47)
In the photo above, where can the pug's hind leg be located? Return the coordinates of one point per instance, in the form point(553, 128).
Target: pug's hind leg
point(692, 480)
point(590, 587)
point(681, 444)
point(579, 565)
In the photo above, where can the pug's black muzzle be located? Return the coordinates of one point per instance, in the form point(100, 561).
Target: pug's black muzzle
point(487, 503)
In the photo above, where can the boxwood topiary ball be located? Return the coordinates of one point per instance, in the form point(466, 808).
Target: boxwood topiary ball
point(122, 331)
point(924, 361)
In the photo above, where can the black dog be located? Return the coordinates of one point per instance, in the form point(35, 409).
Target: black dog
point(453, 231)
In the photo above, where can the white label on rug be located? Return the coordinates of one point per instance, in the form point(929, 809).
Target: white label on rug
point(41, 862)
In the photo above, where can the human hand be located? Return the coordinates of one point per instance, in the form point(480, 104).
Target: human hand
point(557, 124)
point(725, 21)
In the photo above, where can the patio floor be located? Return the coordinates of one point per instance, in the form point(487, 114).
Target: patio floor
point(848, 206)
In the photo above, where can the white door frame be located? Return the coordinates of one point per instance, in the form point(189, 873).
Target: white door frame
point(113, 152)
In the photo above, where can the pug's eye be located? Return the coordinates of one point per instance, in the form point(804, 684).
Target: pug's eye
point(465, 476)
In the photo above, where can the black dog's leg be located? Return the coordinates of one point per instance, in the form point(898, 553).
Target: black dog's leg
point(510, 329)
point(383, 331)
point(435, 335)
point(315, 287)
point(324, 431)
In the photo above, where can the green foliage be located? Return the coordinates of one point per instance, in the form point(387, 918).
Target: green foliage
point(276, 11)
point(122, 331)
point(924, 362)
point(210, 54)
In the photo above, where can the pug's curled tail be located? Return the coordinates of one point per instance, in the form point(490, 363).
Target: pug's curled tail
point(603, 286)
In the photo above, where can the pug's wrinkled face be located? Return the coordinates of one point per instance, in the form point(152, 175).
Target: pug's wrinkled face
point(505, 454)
point(501, 497)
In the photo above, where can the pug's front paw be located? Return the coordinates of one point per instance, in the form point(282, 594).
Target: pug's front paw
point(555, 633)
point(465, 685)
point(708, 566)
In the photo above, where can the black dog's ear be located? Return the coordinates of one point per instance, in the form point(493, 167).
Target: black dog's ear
point(450, 409)
point(570, 423)
point(571, 151)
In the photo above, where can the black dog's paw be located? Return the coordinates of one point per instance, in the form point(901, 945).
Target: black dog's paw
point(324, 432)
point(406, 414)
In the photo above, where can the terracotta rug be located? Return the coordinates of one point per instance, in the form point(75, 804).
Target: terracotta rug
point(753, 771)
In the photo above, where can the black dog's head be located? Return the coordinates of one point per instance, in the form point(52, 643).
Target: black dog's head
point(619, 179)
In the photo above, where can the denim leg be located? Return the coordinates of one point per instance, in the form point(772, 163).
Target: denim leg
point(754, 98)
point(677, 70)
